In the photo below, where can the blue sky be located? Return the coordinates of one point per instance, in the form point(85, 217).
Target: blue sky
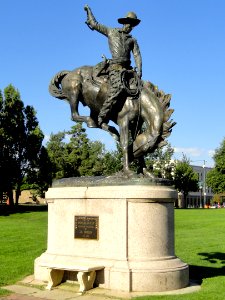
point(183, 51)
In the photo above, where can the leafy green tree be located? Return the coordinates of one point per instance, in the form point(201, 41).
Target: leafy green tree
point(96, 157)
point(2, 150)
point(216, 177)
point(161, 162)
point(80, 157)
point(56, 148)
point(112, 161)
point(76, 157)
point(185, 179)
point(40, 178)
point(38, 168)
point(13, 128)
point(72, 155)
point(21, 140)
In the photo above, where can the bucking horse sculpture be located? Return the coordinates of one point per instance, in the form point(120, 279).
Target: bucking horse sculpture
point(141, 112)
point(144, 120)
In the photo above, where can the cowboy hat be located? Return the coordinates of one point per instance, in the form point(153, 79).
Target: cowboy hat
point(131, 18)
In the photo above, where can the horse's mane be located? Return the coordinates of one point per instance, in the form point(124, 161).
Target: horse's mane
point(164, 100)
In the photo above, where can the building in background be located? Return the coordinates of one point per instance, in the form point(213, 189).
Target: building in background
point(204, 195)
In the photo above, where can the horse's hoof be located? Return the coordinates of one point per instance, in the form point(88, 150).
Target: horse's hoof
point(104, 126)
point(116, 138)
point(148, 174)
point(111, 130)
point(91, 123)
point(129, 174)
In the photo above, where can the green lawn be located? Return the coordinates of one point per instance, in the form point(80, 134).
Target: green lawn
point(23, 237)
point(200, 241)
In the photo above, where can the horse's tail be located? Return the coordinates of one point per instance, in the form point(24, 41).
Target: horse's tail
point(168, 123)
point(54, 87)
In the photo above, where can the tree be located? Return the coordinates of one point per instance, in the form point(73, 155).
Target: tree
point(12, 134)
point(82, 154)
point(216, 177)
point(72, 155)
point(160, 161)
point(21, 141)
point(185, 179)
point(77, 157)
point(56, 152)
point(112, 161)
point(38, 179)
point(2, 150)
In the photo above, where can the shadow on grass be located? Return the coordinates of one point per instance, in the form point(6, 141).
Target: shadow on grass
point(6, 210)
point(213, 257)
point(198, 273)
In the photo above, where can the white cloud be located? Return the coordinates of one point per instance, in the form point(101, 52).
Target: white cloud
point(196, 155)
point(211, 153)
point(196, 152)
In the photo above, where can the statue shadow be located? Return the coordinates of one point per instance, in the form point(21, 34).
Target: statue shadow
point(6, 210)
point(198, 273)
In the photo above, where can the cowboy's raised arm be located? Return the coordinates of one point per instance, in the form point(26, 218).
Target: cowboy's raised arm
point(93, 24)
point(137, 57)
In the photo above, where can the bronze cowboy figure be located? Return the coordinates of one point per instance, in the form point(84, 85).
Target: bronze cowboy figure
point(121, 44)
point(114, 91)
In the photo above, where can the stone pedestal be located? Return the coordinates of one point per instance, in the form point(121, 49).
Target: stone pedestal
point(135, 241)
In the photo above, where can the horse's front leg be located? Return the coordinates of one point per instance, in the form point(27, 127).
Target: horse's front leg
point(124, 142)
point(112, 131)
point(142, 168)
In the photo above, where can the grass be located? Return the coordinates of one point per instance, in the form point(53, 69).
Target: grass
point(200, 242)
point(23, 237)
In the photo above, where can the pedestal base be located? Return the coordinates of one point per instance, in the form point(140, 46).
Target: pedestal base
point(134, 241)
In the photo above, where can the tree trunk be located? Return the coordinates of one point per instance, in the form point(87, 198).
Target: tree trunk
point(1, 197)
point(18, 192)
point(185, 200)
point(10, 197)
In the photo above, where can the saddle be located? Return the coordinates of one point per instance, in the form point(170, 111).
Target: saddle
point(100, 73)
point(130, 80)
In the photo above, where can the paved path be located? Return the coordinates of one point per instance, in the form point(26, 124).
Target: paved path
point(30, 289)
point(20, 297)
point(23, 292)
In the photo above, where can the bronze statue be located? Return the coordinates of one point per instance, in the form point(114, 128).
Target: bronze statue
point(121, 44)
point(114, 91)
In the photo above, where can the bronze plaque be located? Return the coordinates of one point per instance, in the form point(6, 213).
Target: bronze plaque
point(86, 227)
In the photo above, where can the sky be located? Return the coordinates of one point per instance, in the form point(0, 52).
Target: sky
point(182, 45)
